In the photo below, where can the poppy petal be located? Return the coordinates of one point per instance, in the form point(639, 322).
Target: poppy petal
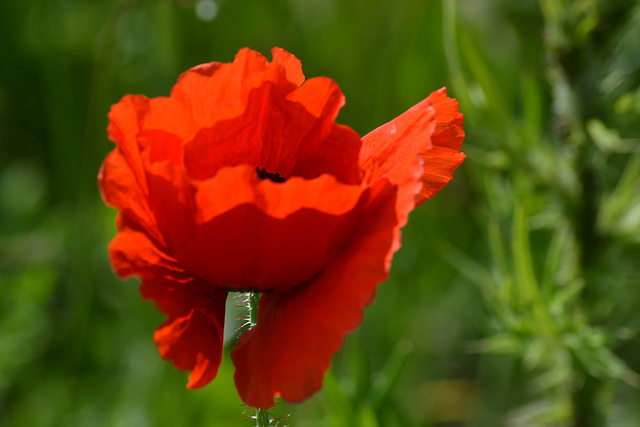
point(392, 152)
point(328, 147)
point(206, 86)
point(123, 129)
point(193, 343)
point(443, 156)
point(119, 188)
point(256, 227)
point(263, 135)
point(192, 337)
point(291, 64)
point(162, 146)
point(287, 353)
point(170, 116)
point(132, 252)
point(278, 200)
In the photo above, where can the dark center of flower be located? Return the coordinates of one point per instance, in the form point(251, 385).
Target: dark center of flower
point(275, 177)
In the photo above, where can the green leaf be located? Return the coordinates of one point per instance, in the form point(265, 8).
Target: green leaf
point(607, 140)
point(523, 264)
point(387, 379)
point(339, 405)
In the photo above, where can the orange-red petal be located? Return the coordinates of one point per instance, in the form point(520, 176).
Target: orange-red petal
point(124, 125)
point(327, 147)
point(234, 186)
point(133, 252)
point(392, 152)
point(288, 131)
point(170, 116)
point(235, 230)
point(443, 156)
point(206, 86)
point(291, 64)
point(192, 336)
point(287, 353)
point(120, 188)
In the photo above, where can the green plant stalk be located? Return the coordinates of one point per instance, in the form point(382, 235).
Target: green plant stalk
point(590, 402)
point(262, 416)
point(254, 299)
point(589, 394)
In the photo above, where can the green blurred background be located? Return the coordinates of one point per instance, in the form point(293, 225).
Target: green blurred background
point(515, 298)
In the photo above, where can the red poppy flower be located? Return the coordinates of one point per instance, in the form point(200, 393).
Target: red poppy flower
point(241, 180)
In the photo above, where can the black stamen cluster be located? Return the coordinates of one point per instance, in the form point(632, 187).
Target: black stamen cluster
point(275, 177)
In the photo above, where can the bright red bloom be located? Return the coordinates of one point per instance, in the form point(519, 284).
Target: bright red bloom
point(241, 180)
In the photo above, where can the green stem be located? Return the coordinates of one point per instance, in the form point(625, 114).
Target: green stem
point(254, 298)
point(262, 418)
point(566, 55)
point(590, 402)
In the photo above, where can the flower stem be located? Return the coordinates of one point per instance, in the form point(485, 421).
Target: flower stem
point(253, 298)
point(262, 418)
point(590, 402)
point(262, 415)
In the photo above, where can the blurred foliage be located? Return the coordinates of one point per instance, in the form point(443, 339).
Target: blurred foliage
point(514, 300)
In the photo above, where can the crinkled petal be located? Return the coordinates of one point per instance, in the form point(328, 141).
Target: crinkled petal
point(288, 131)
point(287, 353)
point(120, 188)
point(206, 86)
point(443, 156)
point(291, 64)
point(192, 337)
point(133, 252)
point(235, 230)
point(170, 116)
point(235, 186)
point(124, 125)
point(193, 343)
point(327, 147)
point(392, 152)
